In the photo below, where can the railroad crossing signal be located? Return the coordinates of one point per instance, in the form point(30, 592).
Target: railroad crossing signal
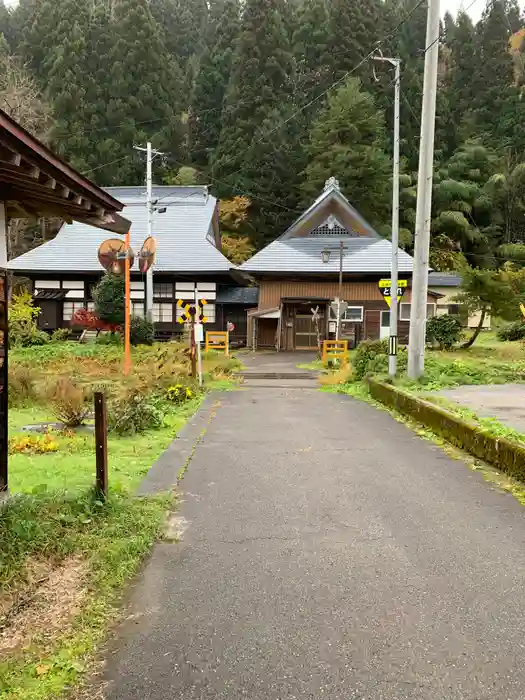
point(192, 311)
point(385, 288)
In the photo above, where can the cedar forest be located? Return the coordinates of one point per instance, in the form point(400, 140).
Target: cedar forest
point(266, 99)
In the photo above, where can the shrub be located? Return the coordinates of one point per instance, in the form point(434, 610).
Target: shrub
point(108, 296)
point(444, 331)
point(179, 394)
point(512, 331)
point(23, 331)
point(21, 384)
point(69, 401)
point(108, 338)
point(141, 331)
point(371, 358)
point(60, 335)
point(134, 411)
point(32, 444)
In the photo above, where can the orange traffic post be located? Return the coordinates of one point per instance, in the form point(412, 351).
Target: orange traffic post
point(127, 309)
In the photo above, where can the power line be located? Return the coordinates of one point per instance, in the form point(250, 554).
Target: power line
point(335, 83)
point(239, 190)
point(105, 165)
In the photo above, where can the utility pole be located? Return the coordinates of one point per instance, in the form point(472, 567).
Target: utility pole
point(150, 154)
point(418, 307)
point(340, 298)
point(392, 344)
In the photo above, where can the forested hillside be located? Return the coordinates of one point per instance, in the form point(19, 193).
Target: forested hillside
point(268, 98)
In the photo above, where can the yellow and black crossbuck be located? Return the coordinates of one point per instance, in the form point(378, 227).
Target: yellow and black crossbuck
point(192, 311)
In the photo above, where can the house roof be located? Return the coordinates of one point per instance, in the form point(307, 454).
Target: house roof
point(443, 279)
point(248, 296)
point(331, 197)
point(328, 221)
point(184, 233)
point(366, 255)
point(35, 182)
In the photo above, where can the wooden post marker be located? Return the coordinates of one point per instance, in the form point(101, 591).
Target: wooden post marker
point(101, 443)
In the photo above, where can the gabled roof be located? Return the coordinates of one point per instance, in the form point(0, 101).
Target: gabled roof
point(331, 198)
point(184, 233)
point(366, 255)
point(299, 249)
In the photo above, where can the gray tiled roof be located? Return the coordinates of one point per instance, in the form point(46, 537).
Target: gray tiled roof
point(363, 254)
point(238, 295)
point(181, 233)
point(443, 279)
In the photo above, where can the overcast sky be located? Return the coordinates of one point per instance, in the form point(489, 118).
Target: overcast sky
point(452, 6)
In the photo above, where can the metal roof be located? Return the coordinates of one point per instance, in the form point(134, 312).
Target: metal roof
point(183, 243)
point(444, 279)
point(363, 254)
point(248, 296)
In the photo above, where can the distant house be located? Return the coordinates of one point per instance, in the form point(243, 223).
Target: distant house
point(446, 285)
point(299, 272)
point(64, 271)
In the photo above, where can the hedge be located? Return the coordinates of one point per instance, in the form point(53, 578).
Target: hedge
point(505, 455)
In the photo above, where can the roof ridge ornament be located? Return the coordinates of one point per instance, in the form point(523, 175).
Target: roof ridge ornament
point(332, 184)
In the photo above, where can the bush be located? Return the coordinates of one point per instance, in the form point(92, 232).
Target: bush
point(60, 335)
point(21, 384)
point(23, 331)
point(108, 296)
point(134, 411)
point(513, 331)
point(371, 358)
point(142, 331)
point(108, 338)
point(179, 394)
point(32, 444)
point(444, 331)
point(70, 402)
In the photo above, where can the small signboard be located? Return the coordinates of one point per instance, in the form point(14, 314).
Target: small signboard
point(385, 287)
point(340, 306)
point(199, 333)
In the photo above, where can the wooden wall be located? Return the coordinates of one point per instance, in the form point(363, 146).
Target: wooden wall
point(271, 292)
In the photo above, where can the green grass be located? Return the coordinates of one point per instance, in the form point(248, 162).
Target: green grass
point(72, 467)
point(112, 537)
point(55, 514)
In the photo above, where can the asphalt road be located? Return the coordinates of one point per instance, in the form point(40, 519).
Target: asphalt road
point(327, 552)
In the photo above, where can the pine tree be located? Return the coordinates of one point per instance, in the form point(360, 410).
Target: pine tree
point(5, 23)
point(355, 27)
point(212, 80)
point(183, 26)
point(143, 90)
point(257, 100)
point(347, 141)
point(459, 80)
point(312, 46)
point(494, 75)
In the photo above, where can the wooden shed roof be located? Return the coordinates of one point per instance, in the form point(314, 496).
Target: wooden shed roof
point(34, 182)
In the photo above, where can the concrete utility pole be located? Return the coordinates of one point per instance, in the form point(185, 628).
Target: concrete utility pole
point(418, 308)
point(150, 154)
point(392, 344)
point(340, 298)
